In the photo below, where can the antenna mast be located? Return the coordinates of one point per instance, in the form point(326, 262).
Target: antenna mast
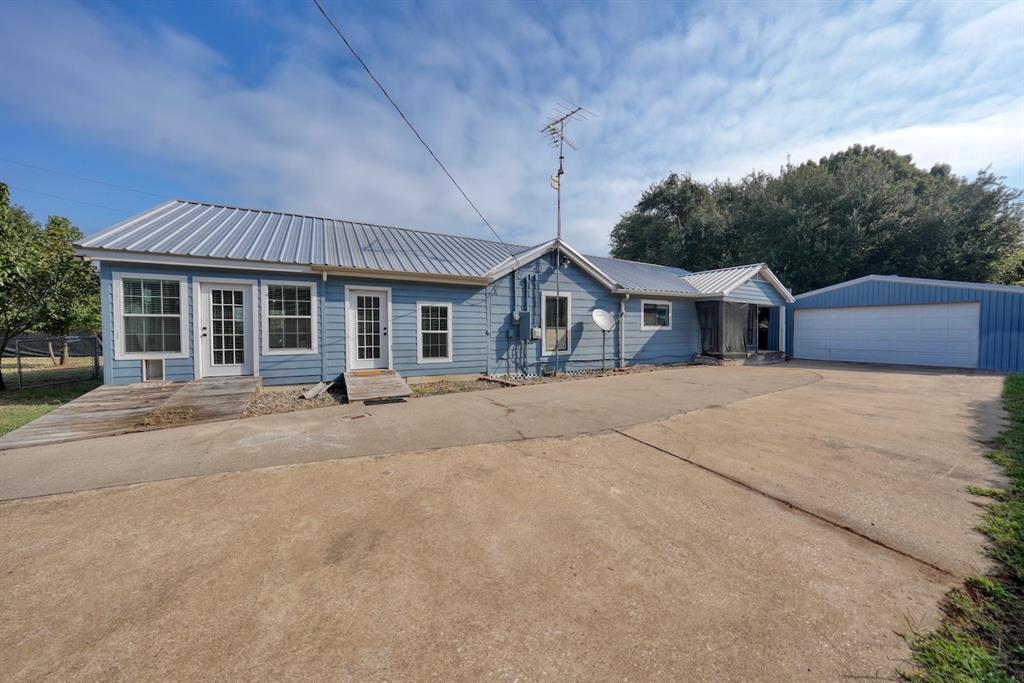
point(566, 112)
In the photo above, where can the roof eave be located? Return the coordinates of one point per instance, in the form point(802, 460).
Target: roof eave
point(341, 271)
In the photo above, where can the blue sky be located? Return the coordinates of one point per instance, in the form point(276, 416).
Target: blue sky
point(259, 104)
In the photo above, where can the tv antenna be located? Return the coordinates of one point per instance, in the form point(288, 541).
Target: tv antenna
point(554, 131)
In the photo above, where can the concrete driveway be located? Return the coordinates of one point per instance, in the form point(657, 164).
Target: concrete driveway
point(776, 524)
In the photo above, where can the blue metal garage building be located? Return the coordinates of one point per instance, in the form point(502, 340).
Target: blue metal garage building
point(913, 321)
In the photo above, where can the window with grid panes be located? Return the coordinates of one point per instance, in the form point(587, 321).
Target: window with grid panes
point(290, 316)
point(151, 315)
point(435, 328)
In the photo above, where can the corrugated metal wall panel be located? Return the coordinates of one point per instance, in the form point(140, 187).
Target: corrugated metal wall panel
point(1001, 327)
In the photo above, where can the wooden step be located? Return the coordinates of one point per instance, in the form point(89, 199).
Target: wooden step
point(367, 385)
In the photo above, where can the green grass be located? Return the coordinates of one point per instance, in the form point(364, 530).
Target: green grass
point(982, 635)
point(21, 406)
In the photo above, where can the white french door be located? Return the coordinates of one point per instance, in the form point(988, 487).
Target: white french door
point(368, 316)
point(225, 317)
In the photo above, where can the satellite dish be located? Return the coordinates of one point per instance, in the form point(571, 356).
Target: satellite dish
point(603, 319)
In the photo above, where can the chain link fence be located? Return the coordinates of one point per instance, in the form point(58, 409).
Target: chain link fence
point(42, 361)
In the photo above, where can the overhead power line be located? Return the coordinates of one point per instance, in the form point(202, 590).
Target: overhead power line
point(405, 118)
point(80, 177)
point(70, 199)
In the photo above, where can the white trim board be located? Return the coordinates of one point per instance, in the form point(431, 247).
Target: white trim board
point(314, 317)
point(350, 336)
point(655, 328)
point(419, 332)
point(197, 300)
point(117, 282)
point(544, 294)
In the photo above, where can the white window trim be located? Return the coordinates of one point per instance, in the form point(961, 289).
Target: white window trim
point(656, 302)
point(419, 332)
point(197, 315)
point(544, 321)
point(163, 370)
point(350, 326)
point(119, 352)
point(314, 298)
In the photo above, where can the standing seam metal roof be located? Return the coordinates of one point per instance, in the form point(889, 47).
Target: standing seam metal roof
point(184, 228)
point(722, 280)
point(196, 229)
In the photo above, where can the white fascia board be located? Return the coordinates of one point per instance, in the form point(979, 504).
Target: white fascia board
point(516, 261)
point(772, 280)
point(115, 256)
point(670, 294)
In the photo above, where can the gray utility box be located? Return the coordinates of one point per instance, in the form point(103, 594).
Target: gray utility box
point(524, 324)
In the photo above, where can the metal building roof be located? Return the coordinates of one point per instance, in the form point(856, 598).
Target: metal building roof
point(214, 231)
point(899, 279)
point(644, 277)
point(195, 229)
point(722, 280)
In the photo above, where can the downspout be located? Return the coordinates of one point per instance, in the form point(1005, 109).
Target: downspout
point(322, 328)
point(487, 329)
point(622, 330)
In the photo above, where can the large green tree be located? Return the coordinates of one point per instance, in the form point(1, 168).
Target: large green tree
point(43, 285)
point(860, 211)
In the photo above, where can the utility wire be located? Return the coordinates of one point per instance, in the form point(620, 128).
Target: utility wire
point(80, 177)
point(407, 121)
point(69, 199)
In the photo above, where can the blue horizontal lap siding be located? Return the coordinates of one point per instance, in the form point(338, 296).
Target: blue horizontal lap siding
point(468, 325)
point(676, 344)
point(756, 292)
point(511, 355)
point(274, 369)
point(1001, 343)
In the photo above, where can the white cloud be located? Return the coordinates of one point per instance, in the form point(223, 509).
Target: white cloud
point(713, 91)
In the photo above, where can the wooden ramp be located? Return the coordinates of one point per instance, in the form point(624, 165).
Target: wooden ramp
point(367, 385)
point(122, 408)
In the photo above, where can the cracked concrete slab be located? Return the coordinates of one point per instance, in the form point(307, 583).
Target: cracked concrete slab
point(494, 415)
point(888, 454)
point(588, 556)
point(585, 558)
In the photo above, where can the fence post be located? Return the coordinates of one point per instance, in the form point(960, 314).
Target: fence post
point(95, 358)
point(17, 354)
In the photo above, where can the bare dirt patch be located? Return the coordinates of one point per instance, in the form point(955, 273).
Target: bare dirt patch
point(452, 387)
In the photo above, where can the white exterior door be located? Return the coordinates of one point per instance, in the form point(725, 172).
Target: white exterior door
point(368, 316)
point(225, 319)
point(942, 335)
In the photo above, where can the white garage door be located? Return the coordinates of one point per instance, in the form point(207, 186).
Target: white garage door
point(935, 334)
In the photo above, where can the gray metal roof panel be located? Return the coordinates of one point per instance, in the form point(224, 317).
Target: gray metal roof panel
point(722, 280)
point(185, 228)
point(646, 277)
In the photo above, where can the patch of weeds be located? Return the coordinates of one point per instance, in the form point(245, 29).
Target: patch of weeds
point(981, 638)
point(169, 417)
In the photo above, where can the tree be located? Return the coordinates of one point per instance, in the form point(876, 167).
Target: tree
point(1010, 269)
point(43, 285)
point(861, 211)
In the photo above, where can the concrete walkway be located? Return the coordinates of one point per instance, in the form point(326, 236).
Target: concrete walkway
point(495, 415)
point(769, 524)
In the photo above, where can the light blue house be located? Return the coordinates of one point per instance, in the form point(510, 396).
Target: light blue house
point(193, 290)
